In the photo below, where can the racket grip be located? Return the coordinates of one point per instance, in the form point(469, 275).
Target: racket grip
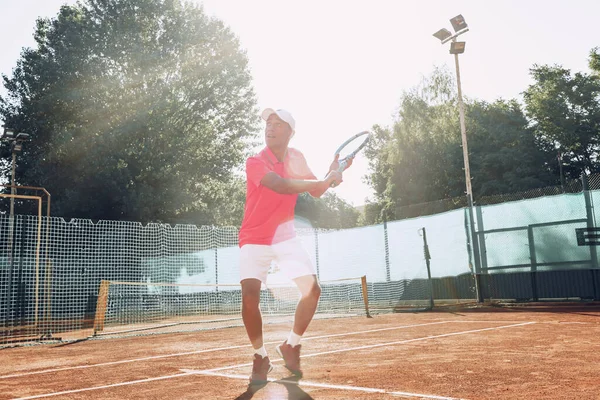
point(341, 168)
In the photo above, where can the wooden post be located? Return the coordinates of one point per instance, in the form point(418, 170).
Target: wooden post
point(101, 304)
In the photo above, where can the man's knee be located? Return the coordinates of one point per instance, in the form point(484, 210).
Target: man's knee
point(314, 291)
point(250, 300)
point(250, 294)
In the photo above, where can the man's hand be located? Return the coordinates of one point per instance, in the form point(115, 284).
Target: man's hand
point(333, 178)
point(336, 164)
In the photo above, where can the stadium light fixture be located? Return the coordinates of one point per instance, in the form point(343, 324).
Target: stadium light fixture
point(442, 34)
point(8, 134)
point(16, 146)
point(458, 23)
point(457, 47)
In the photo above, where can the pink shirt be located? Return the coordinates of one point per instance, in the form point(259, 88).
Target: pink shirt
point(268, 215)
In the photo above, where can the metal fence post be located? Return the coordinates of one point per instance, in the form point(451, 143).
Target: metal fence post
point(480, 237)
point(533, 259)
point(214, 243)
point(589, 213)
point(473, 255)
point(317, 252)
point(476, 255)
point(388, 276)
point(427, 256)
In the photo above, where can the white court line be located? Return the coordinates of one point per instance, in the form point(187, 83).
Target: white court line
point(104, 364)
point(372, 346)
point(472, 321)
point(205, 372)
point(330, 386)
point(158, 378)
point(568, 322)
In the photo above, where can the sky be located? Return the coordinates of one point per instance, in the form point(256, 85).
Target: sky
point(341, 66)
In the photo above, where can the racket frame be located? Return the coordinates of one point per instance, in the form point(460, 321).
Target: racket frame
point(343, 163)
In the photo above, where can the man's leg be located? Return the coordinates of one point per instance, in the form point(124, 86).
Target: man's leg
point(252, 318)
point(310, 291)
point(296, 262)
point(254, 266)
point(251, 314)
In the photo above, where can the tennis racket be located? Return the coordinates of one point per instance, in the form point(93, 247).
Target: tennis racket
point(348, 150)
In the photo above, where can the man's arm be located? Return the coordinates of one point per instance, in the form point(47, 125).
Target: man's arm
point(299, 170)
point(317, 193)
point(332, 168)
point(292, 186)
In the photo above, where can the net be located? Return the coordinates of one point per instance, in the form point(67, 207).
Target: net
point(49, 283)
point(126, 308)
point(51, 273)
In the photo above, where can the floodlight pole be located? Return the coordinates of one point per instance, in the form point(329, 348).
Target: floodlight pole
point(463, 132)
point(459, 25)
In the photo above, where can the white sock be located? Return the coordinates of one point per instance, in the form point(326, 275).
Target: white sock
point(261, 352)
point(293, 339)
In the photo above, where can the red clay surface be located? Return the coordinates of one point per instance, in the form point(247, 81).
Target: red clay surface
point(483, 353)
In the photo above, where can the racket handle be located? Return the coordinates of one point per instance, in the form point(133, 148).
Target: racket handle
point(341, 168)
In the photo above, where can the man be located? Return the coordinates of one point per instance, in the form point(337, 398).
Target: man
point(275, 177)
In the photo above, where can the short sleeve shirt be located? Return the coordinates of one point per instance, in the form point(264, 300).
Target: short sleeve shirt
point(268, 215)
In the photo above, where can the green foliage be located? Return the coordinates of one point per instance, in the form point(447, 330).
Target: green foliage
point(505, 156)
point(594, 61)
point(327, 212)
point(416, 161)
point(565, 111)
point(138, 109)
point(420, 159)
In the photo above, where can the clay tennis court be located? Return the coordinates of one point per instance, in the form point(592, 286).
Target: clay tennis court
point(529, 352)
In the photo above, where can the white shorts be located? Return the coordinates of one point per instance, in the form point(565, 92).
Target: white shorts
point(291, 257)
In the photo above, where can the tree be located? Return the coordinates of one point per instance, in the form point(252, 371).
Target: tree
point(505, 155)
point(420, 160)
point(565, 114)
point(327, 212)
point(594, 61)
point(377, 153)
point(138, 109)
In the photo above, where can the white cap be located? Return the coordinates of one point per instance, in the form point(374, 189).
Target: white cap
point(283, 114)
